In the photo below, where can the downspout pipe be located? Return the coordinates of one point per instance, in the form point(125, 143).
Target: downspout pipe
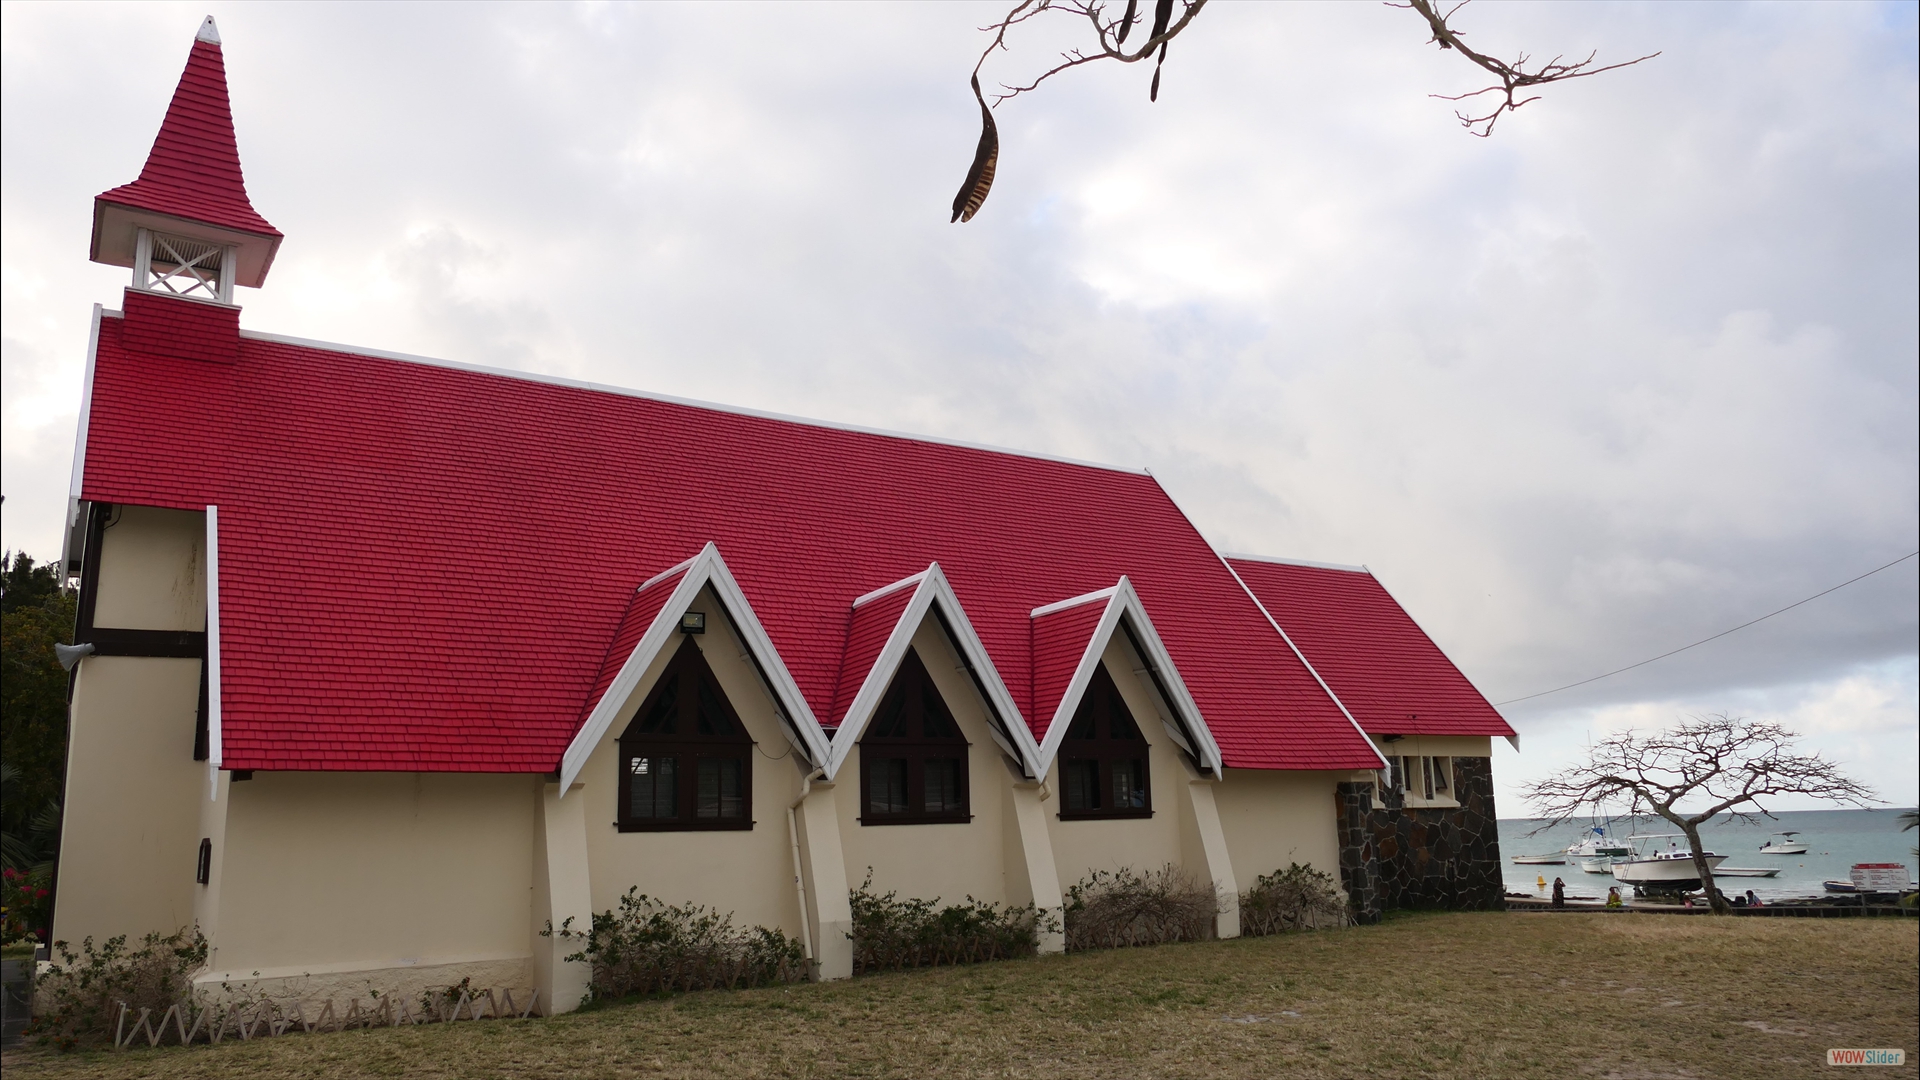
point(799, 879)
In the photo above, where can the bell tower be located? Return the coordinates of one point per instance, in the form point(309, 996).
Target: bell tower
point(186, 227)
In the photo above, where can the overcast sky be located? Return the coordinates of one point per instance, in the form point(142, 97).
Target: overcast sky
point(1638, 368)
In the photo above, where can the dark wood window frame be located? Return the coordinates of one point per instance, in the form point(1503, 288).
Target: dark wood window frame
point(913, 757)
point(1106, 768)
point(667, 732)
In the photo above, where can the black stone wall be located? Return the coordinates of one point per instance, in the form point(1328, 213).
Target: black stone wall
point(1441, 857)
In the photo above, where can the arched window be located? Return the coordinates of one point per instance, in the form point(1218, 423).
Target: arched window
point(1103, 759)
point(686, 761)
point(913, 759)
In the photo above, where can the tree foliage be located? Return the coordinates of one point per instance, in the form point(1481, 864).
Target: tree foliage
point(36, 611)
point(1717, 764)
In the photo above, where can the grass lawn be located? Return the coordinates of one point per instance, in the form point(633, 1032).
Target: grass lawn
point(1631, 997)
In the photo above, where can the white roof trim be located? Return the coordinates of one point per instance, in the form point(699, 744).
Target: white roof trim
point(80, 446)
point(1271, 621)
point(622, 391)
point(664, 575)
point(1124, 603)
point(703, 570)
point(933, 588)
point(213, 636)
point(888, 590)
point(1073, 602)
point(1299, 562)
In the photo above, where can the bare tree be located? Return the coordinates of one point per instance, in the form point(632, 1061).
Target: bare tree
point(1720, 764)
point(1110, 35)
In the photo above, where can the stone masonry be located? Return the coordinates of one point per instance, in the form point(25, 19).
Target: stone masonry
point(1398, 857)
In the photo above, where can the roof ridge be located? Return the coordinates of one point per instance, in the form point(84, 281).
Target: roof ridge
point(1298, 562)
point(671, 399)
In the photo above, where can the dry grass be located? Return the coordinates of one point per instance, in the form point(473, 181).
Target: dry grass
point(1456, 995)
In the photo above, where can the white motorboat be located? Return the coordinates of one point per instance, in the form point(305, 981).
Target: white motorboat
point(1745, 871)
point(1672, 870)
point(1597, 844)
point(1788, 846)
point(1599, 865)
point(1540, 860)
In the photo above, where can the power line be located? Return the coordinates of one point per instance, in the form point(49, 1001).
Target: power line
point(1721, 634)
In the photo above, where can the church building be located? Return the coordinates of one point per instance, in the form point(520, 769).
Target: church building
point(386, 663)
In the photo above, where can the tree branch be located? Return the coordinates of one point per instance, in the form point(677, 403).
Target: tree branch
point(1732, 762)
point(1514, 78)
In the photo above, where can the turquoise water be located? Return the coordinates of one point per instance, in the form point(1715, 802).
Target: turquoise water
point(1835, 839)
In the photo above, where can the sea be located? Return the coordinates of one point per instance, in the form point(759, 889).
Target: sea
point(1835, 839)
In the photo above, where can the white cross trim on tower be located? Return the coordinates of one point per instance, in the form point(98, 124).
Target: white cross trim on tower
point(183, 267)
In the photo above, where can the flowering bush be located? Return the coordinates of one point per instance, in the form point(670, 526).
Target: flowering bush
point(23, 905)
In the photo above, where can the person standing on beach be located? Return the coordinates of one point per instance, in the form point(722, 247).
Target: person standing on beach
point(1559, 893)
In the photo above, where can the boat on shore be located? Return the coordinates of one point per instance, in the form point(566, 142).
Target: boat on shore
point(1788, 846)
point(1669, 871)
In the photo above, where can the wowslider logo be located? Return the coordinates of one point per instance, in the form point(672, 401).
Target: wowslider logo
point(1866, 1057)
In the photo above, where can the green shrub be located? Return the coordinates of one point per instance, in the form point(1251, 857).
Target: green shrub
point(890, 933)
point(1108, 910)
point(1297, 898)
point(78, 998)
point(649, 948)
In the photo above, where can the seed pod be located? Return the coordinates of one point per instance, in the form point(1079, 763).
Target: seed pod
point(980, 177)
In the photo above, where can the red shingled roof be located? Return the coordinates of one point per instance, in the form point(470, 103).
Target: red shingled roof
point(642, 609)
point(1060, 639)
point(424, 567)
point(868, 628)
point(193, 171)
point(1386, 670)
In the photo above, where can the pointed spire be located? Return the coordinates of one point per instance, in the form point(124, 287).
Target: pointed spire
point(192, 183)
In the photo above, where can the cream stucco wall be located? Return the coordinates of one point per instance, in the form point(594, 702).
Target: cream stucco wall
point(950, 861)
point(1081, 847)
point(747, 872)
point(1273, 818)
point(153, 570)
point(375, 873)
point(1437, 745)
point(130, 835)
